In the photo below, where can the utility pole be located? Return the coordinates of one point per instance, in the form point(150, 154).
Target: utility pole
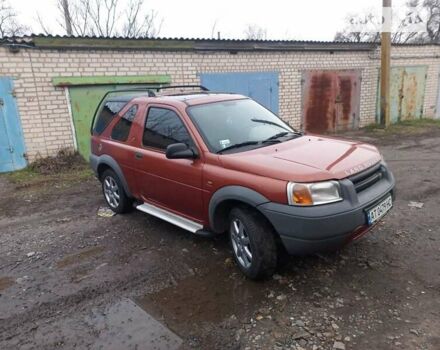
point(67, 18)
point(385, 48)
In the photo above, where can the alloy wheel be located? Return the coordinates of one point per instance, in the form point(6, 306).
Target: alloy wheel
point(111, 192)
point(241, 243)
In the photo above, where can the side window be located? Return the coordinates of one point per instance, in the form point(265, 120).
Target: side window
point(108, 112)
point(164, 127)
point(122, 128)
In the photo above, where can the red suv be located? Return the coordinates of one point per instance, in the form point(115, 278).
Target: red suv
point(212, 163)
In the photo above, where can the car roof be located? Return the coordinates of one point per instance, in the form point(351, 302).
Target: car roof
point(202, 98)
point(189, 99)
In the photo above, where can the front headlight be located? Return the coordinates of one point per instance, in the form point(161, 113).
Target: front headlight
point(308, 194)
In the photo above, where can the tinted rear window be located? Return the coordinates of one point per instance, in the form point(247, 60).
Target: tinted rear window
point(122, 128)
point(108, 112)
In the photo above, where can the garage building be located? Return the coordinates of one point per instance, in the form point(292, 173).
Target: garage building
point(50, 85)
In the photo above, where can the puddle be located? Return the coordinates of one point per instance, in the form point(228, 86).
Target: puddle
point(6, 282)
point(79, 257)
point(200, 299)
point(125, 325)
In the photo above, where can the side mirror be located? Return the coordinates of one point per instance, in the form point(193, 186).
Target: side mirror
point(180, 151)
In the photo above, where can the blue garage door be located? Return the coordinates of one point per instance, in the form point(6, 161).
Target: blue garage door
point(12, 155)
point(260, 86)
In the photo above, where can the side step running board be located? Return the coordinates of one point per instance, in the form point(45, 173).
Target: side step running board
point(172, 218)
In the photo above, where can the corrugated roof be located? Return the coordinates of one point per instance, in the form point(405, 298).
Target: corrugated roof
point(30, 36)
point(206, 44)
point(187, 44)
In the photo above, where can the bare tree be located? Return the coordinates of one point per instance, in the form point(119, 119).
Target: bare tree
point(424, 12)
point(139, 24)
point(355, 20)
point(46, 30)
point(371, 23)
point(415, 14)
point(67, 17)
point(356, 37)
point(255, 32)
point(214, 26)
point(9, 25)
point(106, 18)
point(432, 8)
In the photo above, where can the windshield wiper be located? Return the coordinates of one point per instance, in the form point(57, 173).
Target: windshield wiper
point(275, 137)
point(264, 121)
point(238, 145)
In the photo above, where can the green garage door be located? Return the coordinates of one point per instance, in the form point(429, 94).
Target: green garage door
point(85, 94)
point(407, 93)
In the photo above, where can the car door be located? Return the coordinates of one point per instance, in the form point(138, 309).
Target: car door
point(174, 184)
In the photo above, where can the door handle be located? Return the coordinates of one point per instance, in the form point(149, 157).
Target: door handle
point(138, 155)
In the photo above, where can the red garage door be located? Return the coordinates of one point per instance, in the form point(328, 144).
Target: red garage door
point(330, 100)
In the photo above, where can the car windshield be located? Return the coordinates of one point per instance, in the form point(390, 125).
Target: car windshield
point(238, 124)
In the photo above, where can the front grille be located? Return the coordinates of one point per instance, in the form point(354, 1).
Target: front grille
point(367, 178)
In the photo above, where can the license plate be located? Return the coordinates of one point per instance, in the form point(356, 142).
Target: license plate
point(378, 211)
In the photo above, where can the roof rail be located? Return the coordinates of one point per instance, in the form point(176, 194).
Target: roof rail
point(201, 87)
point(148, 90)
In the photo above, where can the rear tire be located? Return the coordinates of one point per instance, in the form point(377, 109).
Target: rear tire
point(114, 193)
point(253, 243)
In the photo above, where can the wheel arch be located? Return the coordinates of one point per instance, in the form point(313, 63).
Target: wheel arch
point(105, 162)
point(228, 197)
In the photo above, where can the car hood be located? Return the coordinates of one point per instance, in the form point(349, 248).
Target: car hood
point(305, 159)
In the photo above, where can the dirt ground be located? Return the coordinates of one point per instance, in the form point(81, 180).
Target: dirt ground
point(71, 279)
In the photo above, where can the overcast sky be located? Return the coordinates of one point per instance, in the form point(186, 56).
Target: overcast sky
point(283, 19)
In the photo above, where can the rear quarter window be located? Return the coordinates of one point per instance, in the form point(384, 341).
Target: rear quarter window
point(122, 128)
point(108, 112)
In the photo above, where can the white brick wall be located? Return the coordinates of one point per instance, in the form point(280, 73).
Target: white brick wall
point(44, 111)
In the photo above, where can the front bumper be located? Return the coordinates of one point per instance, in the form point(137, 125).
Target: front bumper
point(305, 230)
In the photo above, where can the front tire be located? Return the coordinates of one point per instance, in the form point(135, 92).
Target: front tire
point(114, 193)
point(253, 243)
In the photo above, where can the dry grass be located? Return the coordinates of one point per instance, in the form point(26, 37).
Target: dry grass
point(66, 167)
point(65, 160)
